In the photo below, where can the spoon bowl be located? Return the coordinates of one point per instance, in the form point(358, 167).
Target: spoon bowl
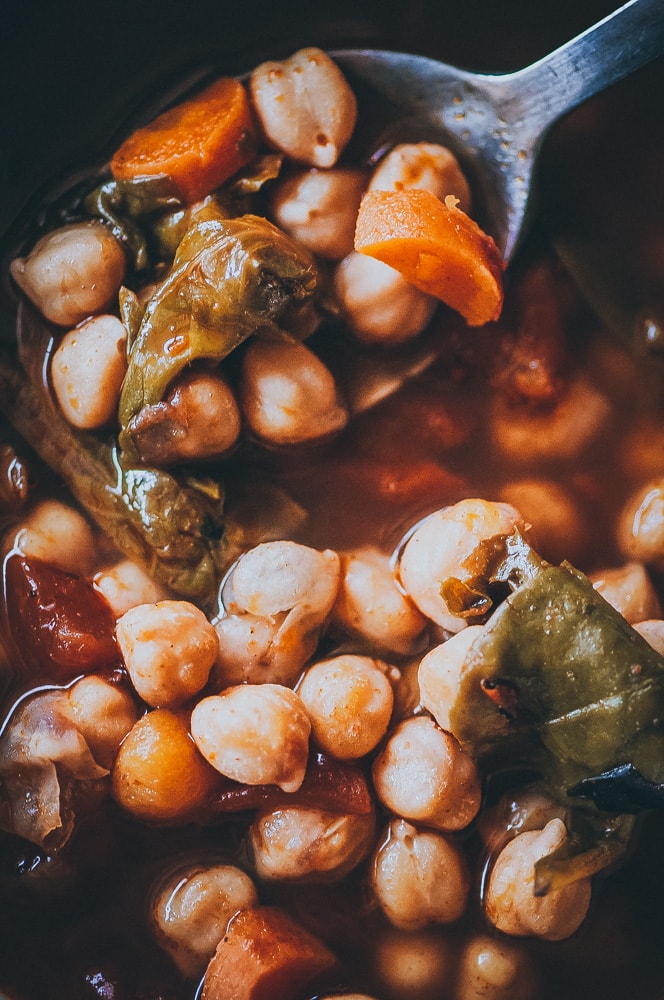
point(496, 123)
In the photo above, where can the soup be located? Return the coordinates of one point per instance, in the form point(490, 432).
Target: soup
point(294, 648)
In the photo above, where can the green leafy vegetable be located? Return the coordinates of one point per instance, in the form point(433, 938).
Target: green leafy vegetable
point(231, 278)
point(589, 686)
point(558, 682)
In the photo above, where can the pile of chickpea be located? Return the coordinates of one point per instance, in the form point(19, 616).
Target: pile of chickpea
point(245, 695)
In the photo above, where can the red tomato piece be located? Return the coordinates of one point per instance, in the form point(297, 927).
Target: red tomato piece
point(61, 625)
point(329, 784)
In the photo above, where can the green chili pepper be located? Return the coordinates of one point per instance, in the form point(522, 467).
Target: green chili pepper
point(231, 278)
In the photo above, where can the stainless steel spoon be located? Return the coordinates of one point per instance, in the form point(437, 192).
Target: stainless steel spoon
point(497, 122)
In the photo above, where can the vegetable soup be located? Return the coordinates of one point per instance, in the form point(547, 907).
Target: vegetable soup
point(333, 643)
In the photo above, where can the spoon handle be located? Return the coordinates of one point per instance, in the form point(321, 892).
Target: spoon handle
point(621, 43)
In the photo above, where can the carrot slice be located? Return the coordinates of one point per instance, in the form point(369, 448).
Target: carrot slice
point(265, 955)
point(199, 143)
point(436, 247)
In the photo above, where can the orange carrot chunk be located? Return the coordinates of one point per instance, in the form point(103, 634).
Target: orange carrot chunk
point(265, 955)
point(436, 247)
point(199, 143)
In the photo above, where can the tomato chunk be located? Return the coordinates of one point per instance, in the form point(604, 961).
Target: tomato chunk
point(61, 625)
point(329, 784)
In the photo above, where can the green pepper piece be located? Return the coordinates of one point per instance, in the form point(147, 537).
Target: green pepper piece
point(589, 686)
point(175, 528)
point(128, 206)
point(231, 278)
point(557, 682)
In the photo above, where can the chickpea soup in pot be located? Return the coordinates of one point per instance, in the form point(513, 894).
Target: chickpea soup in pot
point(332, 630)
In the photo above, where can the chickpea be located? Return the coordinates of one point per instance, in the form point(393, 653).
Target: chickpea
point(640, 532)
point(629, 590)
point(560, 528)
point(57, 534)
point(191, 911)
point(423, 165)
point(103, 713)
point(423, 774)
point(126, 585)
point(277, 597)
point(563, 432)
point(257, 734)
point(158, 772)
point(72, 272)
point(349, 701)
point(87, 371)
point(419, 877)
point(318, 208)
point(492, 969)
point(305, 106)
point(297, 843)
point(439, 546)
point(288, 395)
point(652, 631)
point(280, 576)
point(249, 652)
point(511, 904)
point(371, 606)
point(413, 964)
point(377, 302)
point(439, 675)
point(199, 418)
point(169, 649)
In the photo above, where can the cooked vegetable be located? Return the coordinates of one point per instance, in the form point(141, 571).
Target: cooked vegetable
point(61, 625)
point(564, 673)
point(330, 784)
point(558, 682)
point(265, 954)
point(437, 248)
point(199, 144)
point(43, 757)
point(230, 279)
point(172, 527)
point(130, 206)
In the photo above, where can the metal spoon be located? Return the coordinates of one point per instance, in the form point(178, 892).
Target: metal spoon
point(497, 123)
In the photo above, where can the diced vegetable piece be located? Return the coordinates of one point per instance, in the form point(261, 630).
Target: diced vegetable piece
point(437, 248)
point(230, 278)
point(263, 955)
point(62, 626)
point(559, 675)
point(329, 784)
point(199, 143)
